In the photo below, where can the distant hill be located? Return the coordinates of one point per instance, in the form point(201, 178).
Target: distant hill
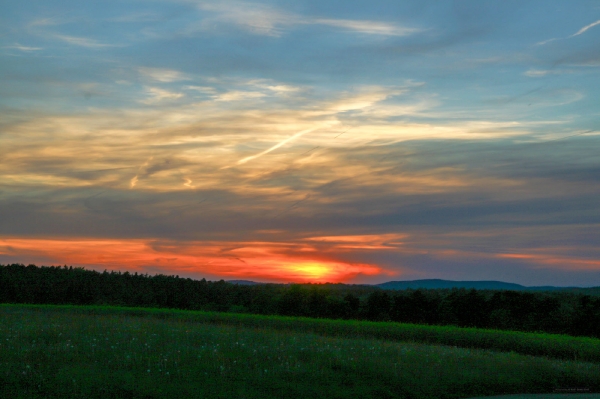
point(448, 284)
point(479, 285)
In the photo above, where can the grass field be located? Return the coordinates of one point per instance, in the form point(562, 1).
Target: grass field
point(102, 352)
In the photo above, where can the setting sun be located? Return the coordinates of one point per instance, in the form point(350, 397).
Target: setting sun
point(312, 271)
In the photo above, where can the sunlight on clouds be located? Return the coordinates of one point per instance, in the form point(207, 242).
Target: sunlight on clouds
point(42, 179)
point(554, 261)
point(212, 142)
point(282, 89)
point(265, 20)
point(157, 95)
point(373, 241)
point(202, 89)
point(242, 260)
point(281, 143)
point(368, 27)
point(163, 75)
point(314, 259)
point(364, 97)
point(23, 48)
point(239, 95)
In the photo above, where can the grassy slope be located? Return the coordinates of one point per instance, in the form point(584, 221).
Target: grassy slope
point(99, 352)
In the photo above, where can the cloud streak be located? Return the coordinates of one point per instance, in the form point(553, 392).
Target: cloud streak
point(585, 28)
point(579, 32)
point(276, 146)
point(265, 20)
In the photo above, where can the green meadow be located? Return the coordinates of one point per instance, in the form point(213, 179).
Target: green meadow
point(110, 352)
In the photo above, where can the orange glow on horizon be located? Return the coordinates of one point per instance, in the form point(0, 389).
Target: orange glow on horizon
point(251, 260)
point(556, 261)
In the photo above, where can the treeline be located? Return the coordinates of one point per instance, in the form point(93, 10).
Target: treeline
point(552, 312)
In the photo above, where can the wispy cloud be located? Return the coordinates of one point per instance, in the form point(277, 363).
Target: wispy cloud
point(579, 32)
point(585, 28)
point(538, 73)
point(264, 20)
point(276, 146)
point(366, 27)
point(163, 75)
point(23, 48)
point(157, 94)
point(51, 21)
point(82, 41)
point(237, 95)
point(46, 28)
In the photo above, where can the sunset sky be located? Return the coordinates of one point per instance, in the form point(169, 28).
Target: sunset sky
point(305, 140)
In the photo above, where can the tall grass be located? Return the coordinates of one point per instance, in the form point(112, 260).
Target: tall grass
point(47, 352)
point(536, 344)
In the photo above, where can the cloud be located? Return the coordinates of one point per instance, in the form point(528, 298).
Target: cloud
point(82, 41)
point(264, 20)
point(586, 28)
point(276, 146)
point(579, 32)
point(157, 95)
point(538, 73)
point(283, 89)
point(237, 95)
point(24, 48)
point(366, 27)
point(552, 260)
point(202, 89)
point(42, 27)
point(47, 22)
point(163, 75)
point(547, 41)
point(275, 262)
point(200, 138)
point(256, 18)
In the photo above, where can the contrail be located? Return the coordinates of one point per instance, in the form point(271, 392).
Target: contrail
point(276, 146)
point(579, 32)
point(582, 30)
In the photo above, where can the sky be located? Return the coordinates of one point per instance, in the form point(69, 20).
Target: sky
point(303, 141)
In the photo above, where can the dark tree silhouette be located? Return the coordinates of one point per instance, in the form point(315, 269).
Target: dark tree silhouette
point(571, 313)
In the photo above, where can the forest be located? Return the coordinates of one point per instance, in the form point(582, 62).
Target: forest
point(556, 312)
